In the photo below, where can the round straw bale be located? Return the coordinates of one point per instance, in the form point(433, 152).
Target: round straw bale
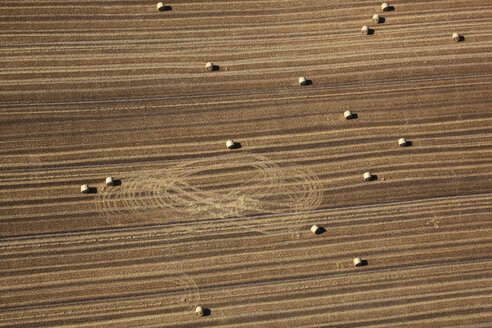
point(84, 189)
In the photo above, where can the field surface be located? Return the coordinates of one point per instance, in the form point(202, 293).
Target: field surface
point(90, 89)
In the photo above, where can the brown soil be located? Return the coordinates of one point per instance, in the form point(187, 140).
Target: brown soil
point(90, 89)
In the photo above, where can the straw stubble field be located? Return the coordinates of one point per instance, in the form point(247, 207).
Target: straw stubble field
point(91, 89)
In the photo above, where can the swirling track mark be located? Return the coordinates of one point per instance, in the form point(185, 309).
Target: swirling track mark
point(249, 185)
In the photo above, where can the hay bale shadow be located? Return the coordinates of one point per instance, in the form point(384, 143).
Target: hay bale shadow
point(237, 145)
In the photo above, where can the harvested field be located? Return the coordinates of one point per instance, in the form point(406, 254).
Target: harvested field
point(91, 89)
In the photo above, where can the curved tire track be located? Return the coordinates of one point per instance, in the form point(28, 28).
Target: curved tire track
point(178, 192)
